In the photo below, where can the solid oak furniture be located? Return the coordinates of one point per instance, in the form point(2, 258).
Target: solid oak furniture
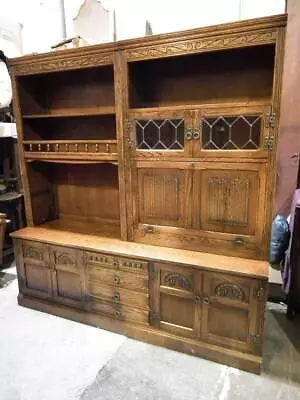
point(140, 160)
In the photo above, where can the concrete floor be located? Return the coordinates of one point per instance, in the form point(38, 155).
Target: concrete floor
point(43, 357)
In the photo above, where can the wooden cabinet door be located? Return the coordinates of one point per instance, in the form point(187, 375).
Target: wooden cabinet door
point(33, 268)
point(175, 299)
point(68, 275)
point(160, 134)
point(233, 311)
point(240, 131)
point(229, 206)
point(161, 202)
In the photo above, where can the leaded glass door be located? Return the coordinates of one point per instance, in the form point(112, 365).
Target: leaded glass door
point(233, 132)
point(160, 135)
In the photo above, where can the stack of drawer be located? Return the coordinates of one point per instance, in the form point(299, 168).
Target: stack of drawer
point(118, 287)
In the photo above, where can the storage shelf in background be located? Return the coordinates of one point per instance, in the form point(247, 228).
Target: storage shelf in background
point(60, 113)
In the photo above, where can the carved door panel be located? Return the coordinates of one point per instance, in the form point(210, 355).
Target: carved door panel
point(34, 268)
point(175, 299)
point(233, 311)
point(68, 275)
point(160, 134)
point(229, 205)
point(162, 202)
point(233, 132)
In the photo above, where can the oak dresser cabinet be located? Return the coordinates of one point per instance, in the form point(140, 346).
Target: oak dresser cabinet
point(148, 174)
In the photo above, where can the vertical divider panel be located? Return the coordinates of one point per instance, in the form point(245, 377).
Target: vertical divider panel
point(23, 166)
point(121, 104)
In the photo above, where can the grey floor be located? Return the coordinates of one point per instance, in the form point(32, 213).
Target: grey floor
point(43, 357)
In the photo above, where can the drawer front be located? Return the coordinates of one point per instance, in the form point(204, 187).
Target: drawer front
point(118, 263)
point(35, 253)
point(118, 295)
point(121, 313)
point(118, 278)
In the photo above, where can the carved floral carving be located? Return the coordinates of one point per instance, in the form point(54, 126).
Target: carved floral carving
point(65, 259)
point(177, 281)
point(199, 45)
point(62, 64)
point(231, 291)
point(33, 253)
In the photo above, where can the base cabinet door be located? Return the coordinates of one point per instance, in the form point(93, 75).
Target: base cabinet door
point(34, 269)
point(68, 279)
point(232, 312)
point(175, 299)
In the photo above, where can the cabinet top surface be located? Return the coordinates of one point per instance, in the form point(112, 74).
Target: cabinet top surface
point(238, 27)
point(236, 265)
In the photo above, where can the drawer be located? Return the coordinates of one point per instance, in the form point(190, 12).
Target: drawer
point(118, 263)
point(118, 295)
point(35, 253)
point(118, 278)
point(122, 313)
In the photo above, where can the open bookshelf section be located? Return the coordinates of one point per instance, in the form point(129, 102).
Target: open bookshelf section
point(92, 138)
point(227, 76)
point(80, 92)
point(75, 197)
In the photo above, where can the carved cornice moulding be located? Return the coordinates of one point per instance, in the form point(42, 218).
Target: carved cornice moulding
point(202, 45)
point(67, 63)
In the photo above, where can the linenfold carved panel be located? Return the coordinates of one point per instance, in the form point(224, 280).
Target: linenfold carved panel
point(63, 64)
point(201, 45)
point(228, 200)
point(231, 291)
point(160, 195)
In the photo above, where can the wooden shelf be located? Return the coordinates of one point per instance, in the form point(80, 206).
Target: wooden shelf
point(67, 112)
point(110, 229)
point(175, 106)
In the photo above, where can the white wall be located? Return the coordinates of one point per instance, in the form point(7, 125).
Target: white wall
point(41, 19)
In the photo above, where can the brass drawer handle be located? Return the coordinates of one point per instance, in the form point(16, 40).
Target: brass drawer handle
point(116, 297)
point(118, 314)
point(117, 280)
point(238, 241)
point(205, 300)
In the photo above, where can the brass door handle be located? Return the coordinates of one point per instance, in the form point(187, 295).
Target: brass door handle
point(149, 229)
point(197, 299)
point(196, 134)
point(188, 133)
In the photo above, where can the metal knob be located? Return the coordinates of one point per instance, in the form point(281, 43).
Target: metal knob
point(205, 300)
point(118, 314)
point(116, 297)
point(196, 134)
point(117, 280)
